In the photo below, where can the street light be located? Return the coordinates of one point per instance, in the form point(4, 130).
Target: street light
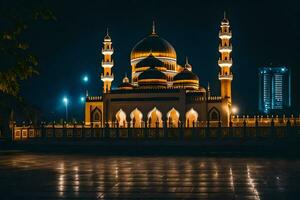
point(66, 101)
point(85, 80)
point(82, 99)
point(234, 110)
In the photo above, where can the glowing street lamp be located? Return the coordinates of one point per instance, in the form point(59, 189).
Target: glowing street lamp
point(82, 99)
point(234, 110)
point(85, 78)
point(66, 102)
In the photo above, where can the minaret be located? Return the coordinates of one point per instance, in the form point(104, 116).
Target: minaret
point(107, 63)
point(225, 61)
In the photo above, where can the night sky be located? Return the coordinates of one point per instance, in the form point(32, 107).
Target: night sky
point(264, 32)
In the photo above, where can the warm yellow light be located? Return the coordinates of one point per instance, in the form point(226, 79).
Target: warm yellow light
point(234, 110)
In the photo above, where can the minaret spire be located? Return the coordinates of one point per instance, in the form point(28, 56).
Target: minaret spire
point(153, 28)
point(208, 90)
point(186, 60)
point(224, 14)
point(107, 33)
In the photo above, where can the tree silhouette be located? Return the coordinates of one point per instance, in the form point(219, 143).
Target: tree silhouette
point(17, 63)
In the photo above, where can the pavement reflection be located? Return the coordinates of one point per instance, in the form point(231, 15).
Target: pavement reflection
point(31, 176)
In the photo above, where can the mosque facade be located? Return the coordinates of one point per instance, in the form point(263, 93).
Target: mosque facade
point(160, 92)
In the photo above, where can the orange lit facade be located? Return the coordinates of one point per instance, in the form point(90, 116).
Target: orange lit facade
point(107, 63)
point(160, 92)
point(225, 61)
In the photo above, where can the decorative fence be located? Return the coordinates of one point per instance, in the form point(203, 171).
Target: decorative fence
point(80, 132)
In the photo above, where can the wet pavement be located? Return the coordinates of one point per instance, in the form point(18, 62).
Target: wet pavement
point(38, 176)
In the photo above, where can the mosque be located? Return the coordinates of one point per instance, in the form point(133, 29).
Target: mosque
point(161, 92)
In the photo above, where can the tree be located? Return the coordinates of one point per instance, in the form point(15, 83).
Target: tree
point(17, 63)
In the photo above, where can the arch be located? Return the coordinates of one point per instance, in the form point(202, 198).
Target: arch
point(214, 114)
point(96, 116)
point(191, 117)
point(154, 117)
point(173, 118)
point(136, 117)
point(121, 118)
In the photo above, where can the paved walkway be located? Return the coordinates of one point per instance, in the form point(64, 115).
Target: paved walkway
point(34, 176)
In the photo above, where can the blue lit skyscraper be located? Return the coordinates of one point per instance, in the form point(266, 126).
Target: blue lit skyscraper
point(274, 89)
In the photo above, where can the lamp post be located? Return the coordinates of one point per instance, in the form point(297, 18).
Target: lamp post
point(66, 101)
point(82, 99)
point(85, 80)
point(234, 111)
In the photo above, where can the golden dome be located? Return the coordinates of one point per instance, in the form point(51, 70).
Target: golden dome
point(154, 44)
point(125, 85)
point(152, 77)
point(186, 78)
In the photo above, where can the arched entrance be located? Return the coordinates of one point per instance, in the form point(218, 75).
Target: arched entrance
point(121, 118)
point(154, 118)
point(191, 118)
point(173, 118)
point(214, 114)
point(96, 116)
point(136, 117)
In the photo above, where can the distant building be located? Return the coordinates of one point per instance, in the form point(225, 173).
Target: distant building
point(274, 89)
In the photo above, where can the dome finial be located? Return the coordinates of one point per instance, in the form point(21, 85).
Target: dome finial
point(186, 60)
point(107, 34)
point(208, 87)
point(153, 28)
point(224, 14)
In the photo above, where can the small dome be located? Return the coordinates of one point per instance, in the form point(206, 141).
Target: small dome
point(125, 86)
point(125, 79)
point(152, 78)
point(185, 74)
point(186, 78)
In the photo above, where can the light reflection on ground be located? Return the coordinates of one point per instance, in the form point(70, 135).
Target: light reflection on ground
point(36, 176)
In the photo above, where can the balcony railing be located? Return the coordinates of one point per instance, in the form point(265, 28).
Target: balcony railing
point(225, 63)
point(225, 35)
point(225, 77)
point(107, 77)
point(107, 64)
point(225, 48)
point(108, 51)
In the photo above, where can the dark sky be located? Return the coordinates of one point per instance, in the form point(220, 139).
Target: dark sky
point(264, 32)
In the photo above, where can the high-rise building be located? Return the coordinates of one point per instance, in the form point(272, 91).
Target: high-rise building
point(274, 89)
